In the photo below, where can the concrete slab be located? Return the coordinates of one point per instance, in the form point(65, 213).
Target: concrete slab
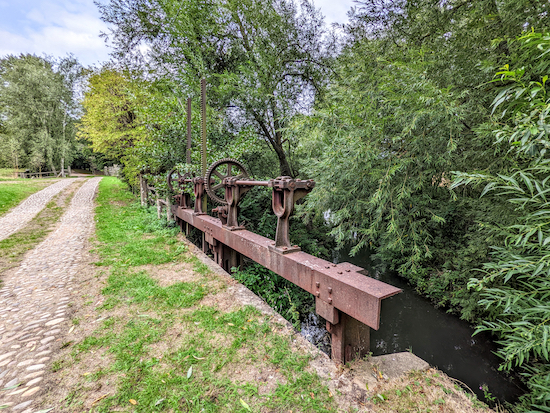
point(397, 364)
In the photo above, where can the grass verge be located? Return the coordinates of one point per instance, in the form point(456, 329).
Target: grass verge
point(12, 194)
point(174, 346)
point(15, 246)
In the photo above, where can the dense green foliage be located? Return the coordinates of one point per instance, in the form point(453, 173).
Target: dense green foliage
point(412, 86)
point(141, 124)
point(38, 111)
point(264, 60)
point(515, 283)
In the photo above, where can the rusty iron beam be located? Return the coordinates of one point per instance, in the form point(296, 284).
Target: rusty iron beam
point(342, 286)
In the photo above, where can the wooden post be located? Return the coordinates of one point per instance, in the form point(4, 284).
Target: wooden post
point(169, 216)
point(159, 208)
point(143, 190)
point(350, 339)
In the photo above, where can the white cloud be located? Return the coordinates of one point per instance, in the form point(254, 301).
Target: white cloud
point(50, 28)
point(59, 27)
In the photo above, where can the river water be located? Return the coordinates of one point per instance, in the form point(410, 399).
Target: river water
point(410, 322)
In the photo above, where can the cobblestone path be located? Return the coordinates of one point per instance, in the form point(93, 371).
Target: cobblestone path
point(27, 210)
point(34, 301)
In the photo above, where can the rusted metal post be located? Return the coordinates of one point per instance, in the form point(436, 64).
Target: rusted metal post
point(337, 332)
point(204, 206)
point(188, 151)
point(286, 191)
point(200, 195)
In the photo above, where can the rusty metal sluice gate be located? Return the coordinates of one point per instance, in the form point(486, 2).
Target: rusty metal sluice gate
point(345, 296)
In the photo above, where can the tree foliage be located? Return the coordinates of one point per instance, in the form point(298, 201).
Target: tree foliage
point(515, 284)
point(141, 123)
point(39, 110)
point(264, 60)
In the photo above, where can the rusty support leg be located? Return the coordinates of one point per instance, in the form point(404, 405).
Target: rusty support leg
point(233, 260)
point(350, 339)
point(338, 342)
point(204, 246)
point(357, 336)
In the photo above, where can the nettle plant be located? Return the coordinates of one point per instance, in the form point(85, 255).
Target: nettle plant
point(515, 283)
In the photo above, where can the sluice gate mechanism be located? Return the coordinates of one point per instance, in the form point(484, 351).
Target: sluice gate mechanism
point(346, 297)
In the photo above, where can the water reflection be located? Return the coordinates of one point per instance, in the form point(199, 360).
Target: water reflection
point(410, 322)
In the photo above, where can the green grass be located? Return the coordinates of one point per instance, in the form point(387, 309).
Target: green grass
point(16, 245)
point(7, 173)
point(130, 235)
point(12, 194)
point(166, 352)
point(129, 287)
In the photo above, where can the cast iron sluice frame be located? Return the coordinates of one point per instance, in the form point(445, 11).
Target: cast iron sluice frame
point(345, 296)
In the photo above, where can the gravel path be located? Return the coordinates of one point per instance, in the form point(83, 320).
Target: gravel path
point(34, 301)
point(19, 216)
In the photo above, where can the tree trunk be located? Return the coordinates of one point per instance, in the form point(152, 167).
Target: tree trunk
point(284, 166)
point(276, 143)
point(63, 167)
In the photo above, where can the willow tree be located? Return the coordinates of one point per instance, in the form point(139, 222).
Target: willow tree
point(264, 60)
point(39, 110)
point(413, 86)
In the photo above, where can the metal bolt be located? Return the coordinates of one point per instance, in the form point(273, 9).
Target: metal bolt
point(330, 300)
point(330, 290)
point(348, 270)
point(285, 248)
point(340, 272)
point(327, 266)
point(318, 294)
point(317, 284)
point(334, 265)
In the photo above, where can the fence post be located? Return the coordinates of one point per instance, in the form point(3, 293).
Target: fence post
point(143, 190)
point(159, 208)
point(169, 216)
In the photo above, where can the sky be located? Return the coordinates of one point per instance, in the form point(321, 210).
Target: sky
point(60, 27)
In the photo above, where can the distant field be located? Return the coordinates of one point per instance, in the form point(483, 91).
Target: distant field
point(12, 194)
point(7, 173)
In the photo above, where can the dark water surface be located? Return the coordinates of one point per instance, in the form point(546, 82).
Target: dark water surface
point(411, 322)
